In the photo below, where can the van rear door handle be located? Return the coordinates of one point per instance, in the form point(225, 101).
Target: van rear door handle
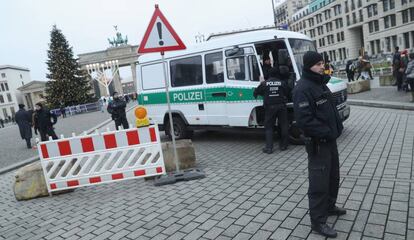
point(219, 94)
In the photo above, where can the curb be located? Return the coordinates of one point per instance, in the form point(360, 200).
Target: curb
point(35, 158)
point(381, 104)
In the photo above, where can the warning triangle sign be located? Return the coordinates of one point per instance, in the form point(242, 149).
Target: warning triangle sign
point(160, 36)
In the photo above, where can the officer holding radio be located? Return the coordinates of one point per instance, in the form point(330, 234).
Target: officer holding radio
point(317, 116)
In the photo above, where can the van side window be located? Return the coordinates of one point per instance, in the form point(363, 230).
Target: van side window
point(214, 67)
point(186, 72)
point(236, 68)
point(152, 76)
point(254, 68)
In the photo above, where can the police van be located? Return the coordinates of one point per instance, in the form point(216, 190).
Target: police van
point(211, 84)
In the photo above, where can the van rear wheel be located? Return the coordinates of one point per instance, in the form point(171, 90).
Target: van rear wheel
point(180, 129)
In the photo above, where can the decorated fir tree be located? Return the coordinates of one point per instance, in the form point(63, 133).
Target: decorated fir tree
point(67, 83)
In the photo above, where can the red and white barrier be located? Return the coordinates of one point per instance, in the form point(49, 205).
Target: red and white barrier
point(101, 158)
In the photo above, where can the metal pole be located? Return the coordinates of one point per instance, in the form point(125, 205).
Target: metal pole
point(273, 12)
point(177, 167)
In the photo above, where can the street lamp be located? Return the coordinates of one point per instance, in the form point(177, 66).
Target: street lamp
point(100, 72)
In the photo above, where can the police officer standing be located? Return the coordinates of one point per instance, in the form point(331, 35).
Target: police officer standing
point(117, 109)
point(274, 91)
point(317, 116)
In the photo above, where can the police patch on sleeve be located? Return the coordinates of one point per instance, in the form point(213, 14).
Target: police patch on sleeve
point(303, 104)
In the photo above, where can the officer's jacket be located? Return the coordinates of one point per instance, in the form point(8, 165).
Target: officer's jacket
point(117, 108)
point(273, 90)
point(314, 108)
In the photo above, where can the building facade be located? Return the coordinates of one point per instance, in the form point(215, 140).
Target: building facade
point(32, 93)
point(11, 78)
point(284, 11)
point(344, 29)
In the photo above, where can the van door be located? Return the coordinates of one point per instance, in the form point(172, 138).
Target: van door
point(215, 90)
point(242, 76)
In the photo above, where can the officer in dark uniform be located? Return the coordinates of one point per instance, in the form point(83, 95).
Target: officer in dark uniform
point(117, 109)
point(274, 91)
point(316, 114)
point(266, 65)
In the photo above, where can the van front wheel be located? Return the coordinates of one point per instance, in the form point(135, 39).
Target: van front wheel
point(180, 129)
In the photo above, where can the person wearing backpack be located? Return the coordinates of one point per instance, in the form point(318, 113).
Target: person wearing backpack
point(409, 74)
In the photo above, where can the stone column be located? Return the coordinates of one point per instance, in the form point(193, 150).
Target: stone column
point(134, 75)
point(117, 82)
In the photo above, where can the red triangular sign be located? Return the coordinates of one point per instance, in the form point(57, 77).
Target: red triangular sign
point(160, 36)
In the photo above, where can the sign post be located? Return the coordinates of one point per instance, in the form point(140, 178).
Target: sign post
point(161, 37)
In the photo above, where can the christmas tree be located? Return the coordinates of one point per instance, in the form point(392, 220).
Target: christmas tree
point(67, 83)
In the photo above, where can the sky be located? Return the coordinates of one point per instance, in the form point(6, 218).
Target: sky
point(25, 25)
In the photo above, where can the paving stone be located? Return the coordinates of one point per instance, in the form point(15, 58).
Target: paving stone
point(372, 230)
point(281, 234)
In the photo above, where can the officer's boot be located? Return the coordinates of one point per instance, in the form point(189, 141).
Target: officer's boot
point(28, 143)
point(324, 230)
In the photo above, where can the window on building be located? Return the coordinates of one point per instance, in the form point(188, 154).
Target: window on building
point(6, 86)
point(13, 112)
point(404, 16)
point(352, 4)
point(377, 44)
point(371, 27)
point(386, 22)
point(354, 18)
point(385, 5)
point(2, 87)
point(348, 22)
point(3, 75)
point(392, 4)
point(214, 67)
point(403, 2)
point(375, 9)
point(359, 3)
point(346, 7)
point(393, 21)
point(186, 72)
point(411, 14)
point(361, 17)
point(376, 25)
point(394, 41)
point(1, 98)
point(369, 11)
point(406, 37)
point(9, 97)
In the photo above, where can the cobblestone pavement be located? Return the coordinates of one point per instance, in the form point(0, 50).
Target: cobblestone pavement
point(246, 195)
point(13, 148)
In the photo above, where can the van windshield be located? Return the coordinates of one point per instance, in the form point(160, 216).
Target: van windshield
point(299, 48)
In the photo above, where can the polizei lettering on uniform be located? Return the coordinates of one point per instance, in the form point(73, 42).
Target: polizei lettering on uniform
point(274, 83)
point(187, 96)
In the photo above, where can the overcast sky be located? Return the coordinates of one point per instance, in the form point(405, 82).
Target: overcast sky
point(25, 24)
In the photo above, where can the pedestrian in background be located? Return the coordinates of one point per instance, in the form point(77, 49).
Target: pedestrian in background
point(24, 121)
point(274, 91)
point(409, 74)
point(44, 121)
point(1, 123)
point(350, 70)
point(117, 110)
point(317, 116)
point(62, 110)
point(396, 69)
point(403, 67)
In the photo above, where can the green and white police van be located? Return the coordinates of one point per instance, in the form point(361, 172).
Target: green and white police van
point(211, 84)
